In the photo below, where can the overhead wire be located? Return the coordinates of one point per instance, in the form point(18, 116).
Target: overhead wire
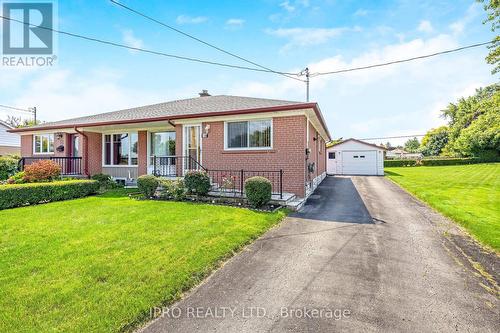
point(399, 61)
point(203, 41)
point(192, 59)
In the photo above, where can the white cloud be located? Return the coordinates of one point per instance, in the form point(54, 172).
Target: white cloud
point(470, 15)
point(61, 94)
point(235, 22)
point(425, 26)
point(185, 19)
point(308, 36)
point(287, 6)
point(130, 40)
point(400, 99)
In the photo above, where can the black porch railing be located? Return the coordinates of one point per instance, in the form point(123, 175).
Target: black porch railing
point(70, 166)
point(223, 180)
point(234, 180)
point(174, 166)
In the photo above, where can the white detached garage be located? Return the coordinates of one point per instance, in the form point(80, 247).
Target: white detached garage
point(355, 157)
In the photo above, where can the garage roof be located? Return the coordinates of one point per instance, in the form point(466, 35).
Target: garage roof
point(358, 141)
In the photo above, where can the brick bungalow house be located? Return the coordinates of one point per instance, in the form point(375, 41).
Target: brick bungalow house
point(225, 135)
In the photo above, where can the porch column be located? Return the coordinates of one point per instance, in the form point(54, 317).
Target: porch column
point(142, 153)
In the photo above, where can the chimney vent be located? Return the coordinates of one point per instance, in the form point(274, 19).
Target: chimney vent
point(204, 93)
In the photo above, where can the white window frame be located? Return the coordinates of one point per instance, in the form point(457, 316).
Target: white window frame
point(248, 135)
point(50, 137)
point(129, 165)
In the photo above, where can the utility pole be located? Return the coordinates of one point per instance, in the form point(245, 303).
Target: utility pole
point(306, 71)
point(33, 110)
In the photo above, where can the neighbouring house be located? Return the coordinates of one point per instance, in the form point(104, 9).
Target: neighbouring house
point(355, 157)
point(231, 137)
point(10, 143)
point(398, 153)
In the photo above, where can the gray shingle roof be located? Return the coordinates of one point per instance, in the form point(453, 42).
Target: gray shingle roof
point(191, 106)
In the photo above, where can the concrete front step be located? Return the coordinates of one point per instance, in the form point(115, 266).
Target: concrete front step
point(296, 204)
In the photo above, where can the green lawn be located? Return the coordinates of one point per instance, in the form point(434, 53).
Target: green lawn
point(468, 194)
point(99, 264)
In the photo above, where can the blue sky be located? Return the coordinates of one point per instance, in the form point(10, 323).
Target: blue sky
point(284, 35)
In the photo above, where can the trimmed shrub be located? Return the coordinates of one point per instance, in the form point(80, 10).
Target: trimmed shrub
point(17, 178)
point(8, 166)
point(173, 189)
point(28, 194)
point(437, 162)
point(258, 191)
point(42, 171)
point(197, 182)
point(399, 163)
point(147, 184)
point(105, 181)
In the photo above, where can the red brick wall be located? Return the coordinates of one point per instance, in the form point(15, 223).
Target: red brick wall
point(178, 140)
point(322, 156)
point(317, 151)
point(26, 145)
point(61, 139)
point(142, 152)
point(288, 153)
point(94, 146)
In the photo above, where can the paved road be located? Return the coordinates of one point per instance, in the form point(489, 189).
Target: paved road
point(363, 253)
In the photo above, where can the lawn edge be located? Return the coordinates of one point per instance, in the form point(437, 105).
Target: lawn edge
point(484, 246)
point(139, 324)
point(467, 247)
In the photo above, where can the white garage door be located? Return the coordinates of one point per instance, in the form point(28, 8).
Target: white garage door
point(359, 162)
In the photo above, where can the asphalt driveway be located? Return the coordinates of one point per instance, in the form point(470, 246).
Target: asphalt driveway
point(362, 255)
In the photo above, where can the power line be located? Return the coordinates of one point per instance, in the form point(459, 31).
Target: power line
point(394, 137)
point(148, 51)
point(14, 108)
point(202, 41)
point(402, 60)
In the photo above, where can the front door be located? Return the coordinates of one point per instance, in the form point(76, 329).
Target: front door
point(72, 164)
point(192, 147)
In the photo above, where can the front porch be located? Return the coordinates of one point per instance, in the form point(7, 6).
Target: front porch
point(70, 166)
point(225, 182)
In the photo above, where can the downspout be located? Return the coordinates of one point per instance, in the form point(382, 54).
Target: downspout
point(85, 151)
point(171, 123)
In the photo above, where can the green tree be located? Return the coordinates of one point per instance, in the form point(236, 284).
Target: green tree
point(412, 145)
point(434, 141)
point(482, 137)
point(474, 124)
point(492, 8)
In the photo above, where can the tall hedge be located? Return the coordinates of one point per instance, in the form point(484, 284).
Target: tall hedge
point(34, 193)
point(436, 162)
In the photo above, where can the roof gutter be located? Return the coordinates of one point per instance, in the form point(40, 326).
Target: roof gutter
point(85, 151)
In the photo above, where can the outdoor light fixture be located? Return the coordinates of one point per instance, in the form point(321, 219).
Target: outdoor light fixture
point(205, 131)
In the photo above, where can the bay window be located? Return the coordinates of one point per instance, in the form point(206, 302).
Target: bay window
point(252, 134)
point(43, 143)
point(120, 149)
